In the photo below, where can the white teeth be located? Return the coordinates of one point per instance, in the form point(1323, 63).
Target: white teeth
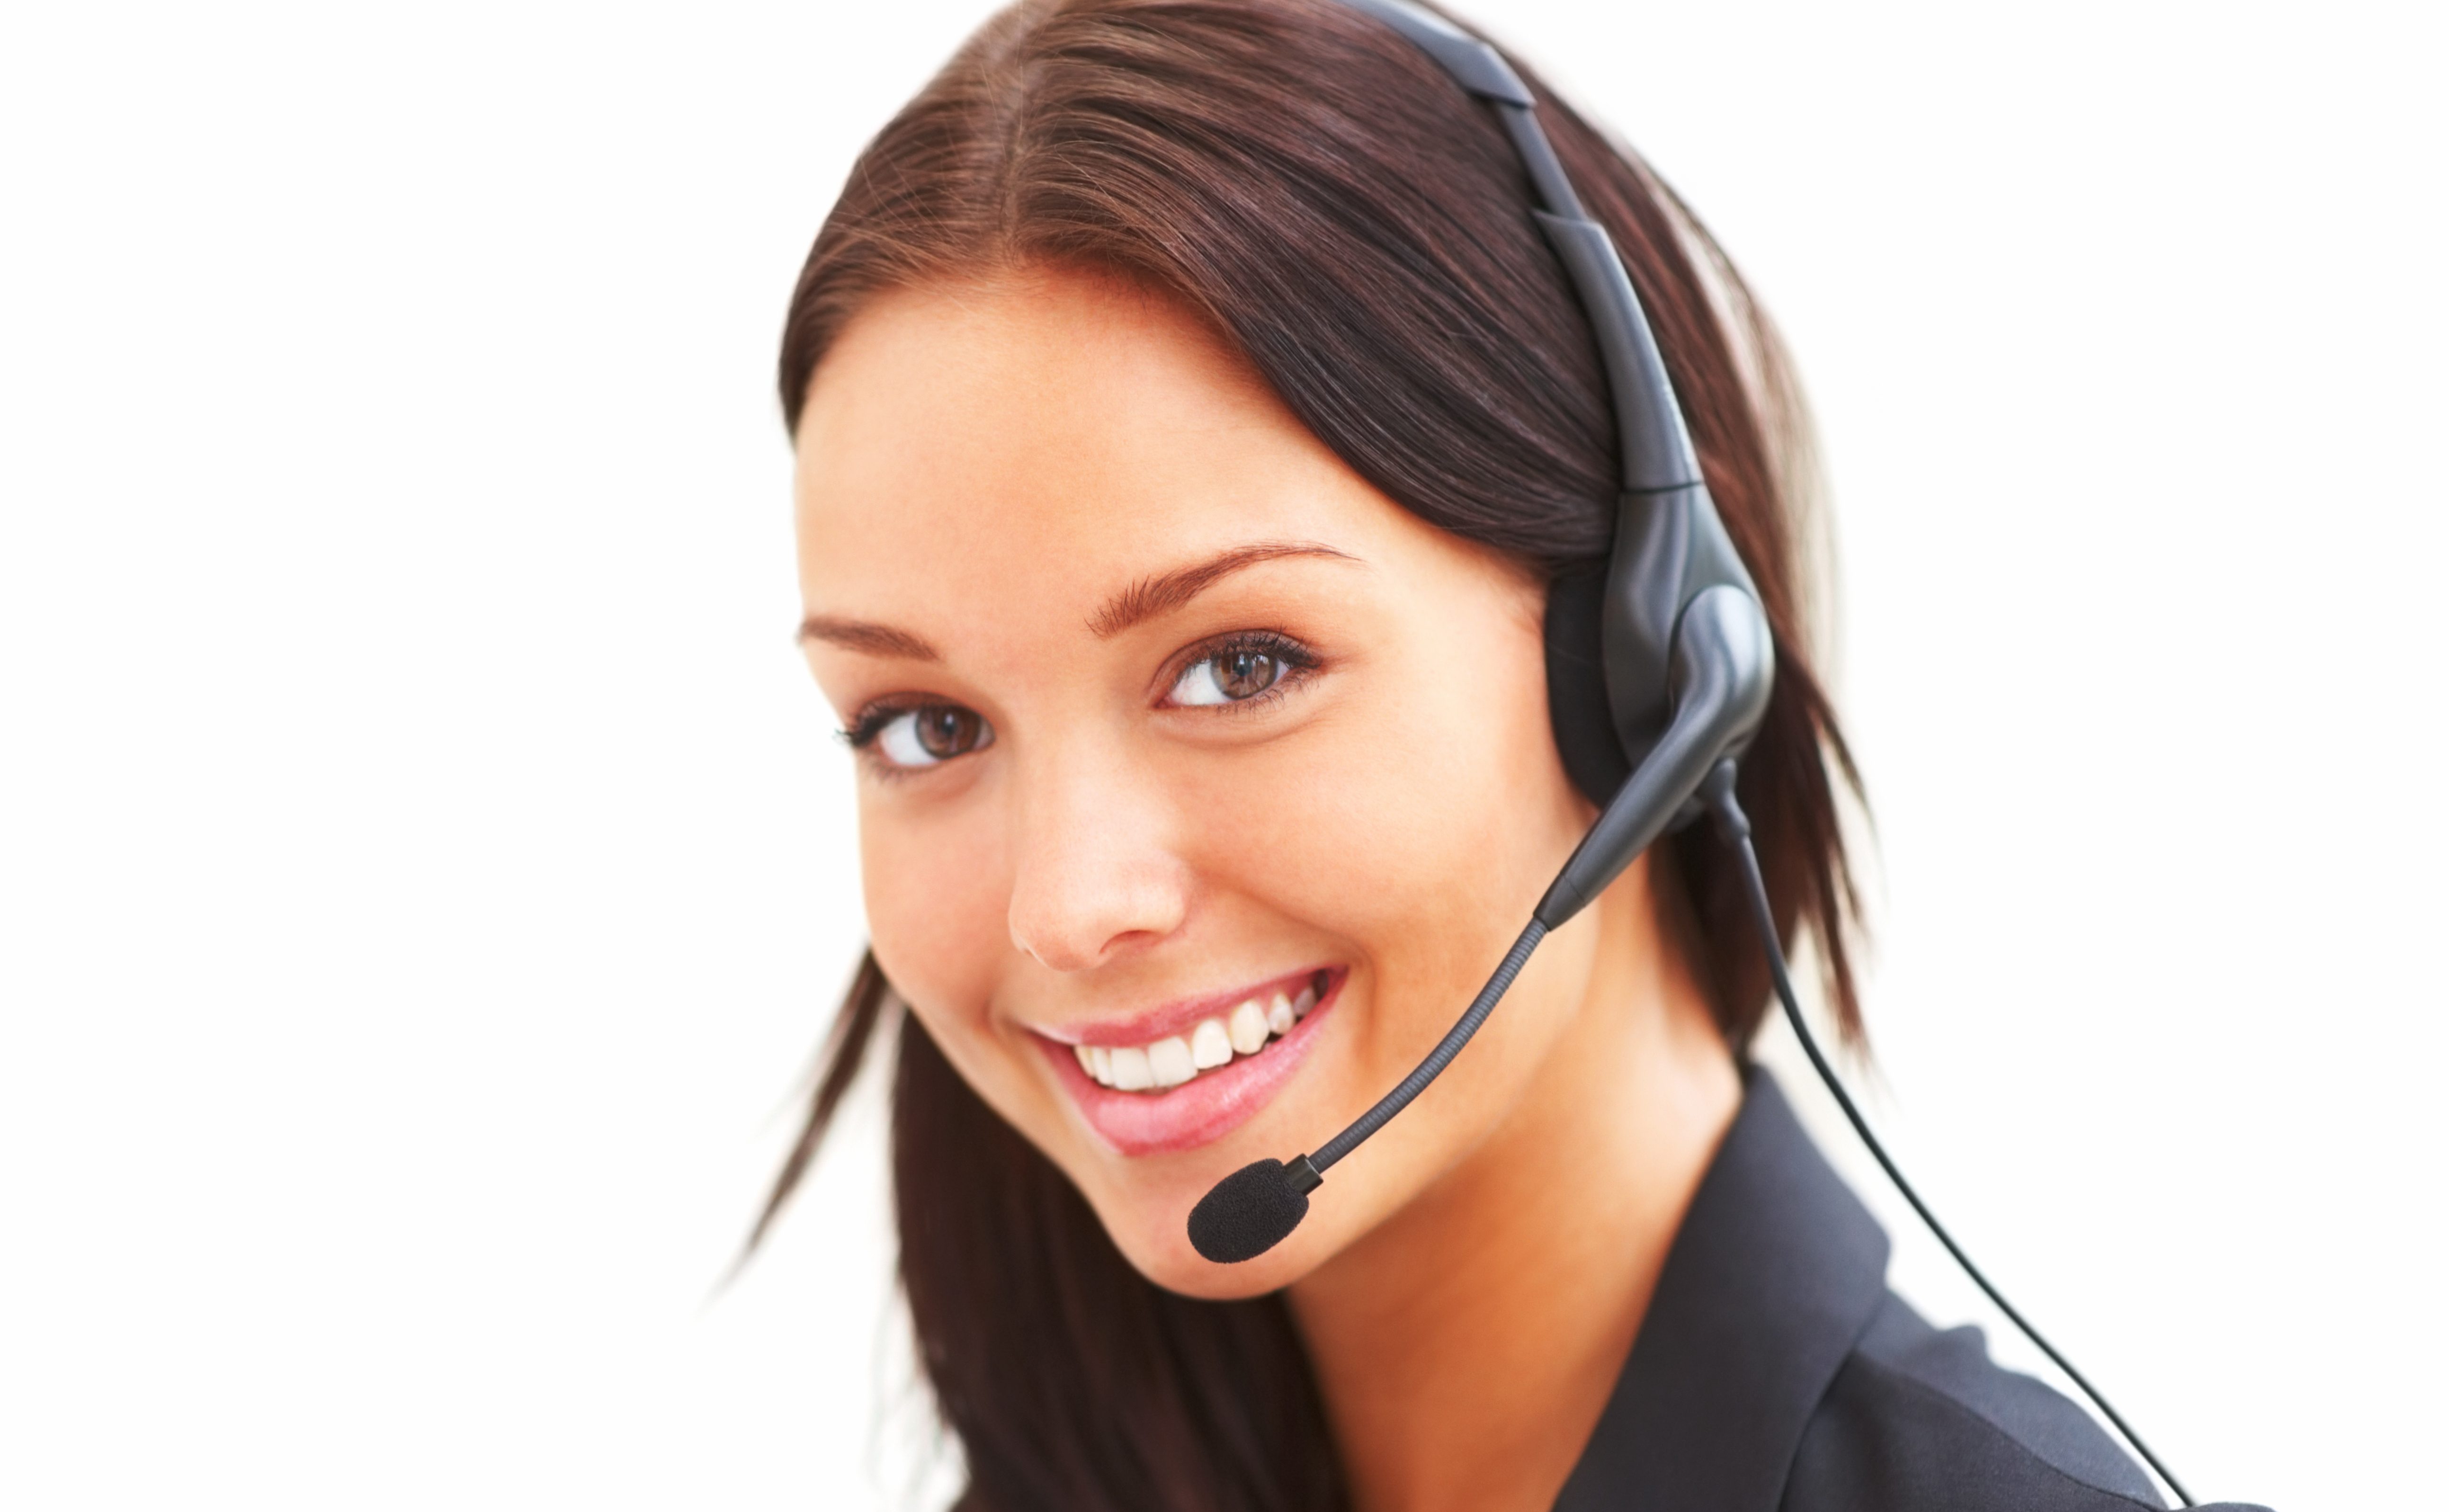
point(1279, 1015)
point(1131, 1072)
point(1169, 1061)
point(1210, 1045)
point(1249, 1029)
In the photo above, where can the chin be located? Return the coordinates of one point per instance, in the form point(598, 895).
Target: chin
point(1160, 1249)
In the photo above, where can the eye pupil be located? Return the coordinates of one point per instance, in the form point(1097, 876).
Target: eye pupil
point(945, 731)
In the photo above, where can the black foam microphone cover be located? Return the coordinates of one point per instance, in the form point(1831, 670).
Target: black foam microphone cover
point(1248, 1213)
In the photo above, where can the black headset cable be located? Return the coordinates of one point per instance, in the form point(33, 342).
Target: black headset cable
point(1718, 792)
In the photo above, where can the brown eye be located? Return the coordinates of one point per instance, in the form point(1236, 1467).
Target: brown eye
point(931, 733)
point(1229, 676)
point(946, 731)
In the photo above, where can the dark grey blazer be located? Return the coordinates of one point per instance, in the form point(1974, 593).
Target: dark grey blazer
point(1776, 1371)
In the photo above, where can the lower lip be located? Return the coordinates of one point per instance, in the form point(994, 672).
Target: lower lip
point(1202, 1110)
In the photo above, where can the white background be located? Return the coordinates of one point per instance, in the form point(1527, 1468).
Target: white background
point(424, 870)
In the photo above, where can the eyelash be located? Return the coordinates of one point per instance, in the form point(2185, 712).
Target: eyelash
point(869, 722)
point(1298, 660)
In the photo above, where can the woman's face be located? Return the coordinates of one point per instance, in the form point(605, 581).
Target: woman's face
point(1199, 785)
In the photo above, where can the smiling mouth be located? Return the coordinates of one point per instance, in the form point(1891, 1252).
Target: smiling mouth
point(1213, 1043)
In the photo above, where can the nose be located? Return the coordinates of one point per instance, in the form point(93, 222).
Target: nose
point(1093, 878)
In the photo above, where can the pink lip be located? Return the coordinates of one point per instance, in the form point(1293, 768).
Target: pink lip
point(1209, 1106)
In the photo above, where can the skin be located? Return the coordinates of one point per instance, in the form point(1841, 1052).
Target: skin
point(984, 467)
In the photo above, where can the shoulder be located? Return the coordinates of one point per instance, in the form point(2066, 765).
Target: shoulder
point(1917, 1418)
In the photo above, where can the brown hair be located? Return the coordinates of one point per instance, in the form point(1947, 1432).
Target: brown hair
point(1324, 196)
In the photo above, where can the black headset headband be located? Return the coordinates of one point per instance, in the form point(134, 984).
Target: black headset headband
point(1656, 449)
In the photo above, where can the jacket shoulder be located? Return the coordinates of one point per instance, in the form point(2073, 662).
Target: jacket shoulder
point(1920, 1419)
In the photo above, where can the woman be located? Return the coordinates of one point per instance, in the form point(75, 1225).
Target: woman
point(1195, 435)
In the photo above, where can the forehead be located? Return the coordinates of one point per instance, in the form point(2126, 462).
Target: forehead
point(1053, 425)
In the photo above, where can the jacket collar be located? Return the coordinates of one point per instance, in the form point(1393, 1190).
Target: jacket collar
point(1776, 1272)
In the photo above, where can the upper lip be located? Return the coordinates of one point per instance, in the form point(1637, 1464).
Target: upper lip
point(1151, 1024)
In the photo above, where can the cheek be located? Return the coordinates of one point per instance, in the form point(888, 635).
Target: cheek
point(1434, 799)
point(937, 892)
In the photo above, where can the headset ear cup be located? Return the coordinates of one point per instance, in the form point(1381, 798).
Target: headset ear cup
point(1577, 695)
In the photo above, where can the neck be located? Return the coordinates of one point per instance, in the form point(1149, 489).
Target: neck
point(1466, 1347)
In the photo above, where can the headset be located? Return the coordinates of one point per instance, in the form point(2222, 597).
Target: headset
point(1682, 679)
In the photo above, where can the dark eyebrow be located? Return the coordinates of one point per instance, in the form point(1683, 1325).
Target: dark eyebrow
point(1152, 596)
point(865, 635)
